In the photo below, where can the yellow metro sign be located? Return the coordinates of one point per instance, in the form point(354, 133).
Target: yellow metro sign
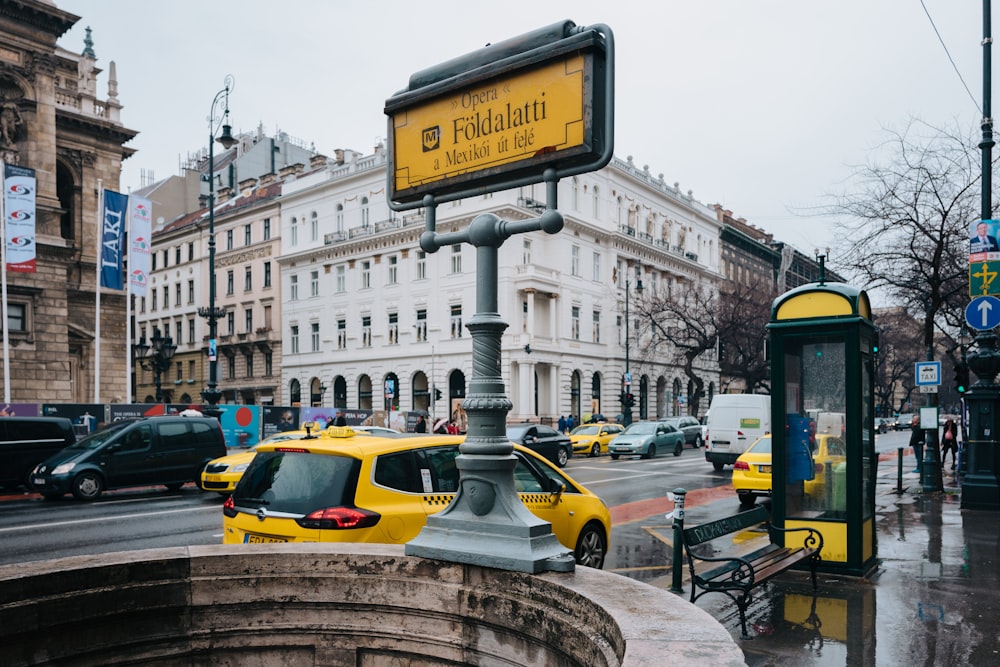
point(490, 125)
point(499, 117)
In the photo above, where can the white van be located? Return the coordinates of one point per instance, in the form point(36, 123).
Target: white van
point(735, 421)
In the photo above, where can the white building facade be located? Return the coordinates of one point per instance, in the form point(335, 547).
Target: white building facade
point(372, 322)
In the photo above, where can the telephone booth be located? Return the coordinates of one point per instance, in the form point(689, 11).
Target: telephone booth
point(823, 344)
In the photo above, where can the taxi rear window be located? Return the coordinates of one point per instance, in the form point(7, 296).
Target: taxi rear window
point(298, 482)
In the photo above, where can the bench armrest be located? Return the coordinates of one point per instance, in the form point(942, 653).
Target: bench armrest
point(812, 541)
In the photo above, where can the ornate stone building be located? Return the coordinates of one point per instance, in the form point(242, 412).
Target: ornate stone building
point(56, 124)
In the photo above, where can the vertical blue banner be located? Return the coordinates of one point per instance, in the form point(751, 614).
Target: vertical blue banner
point(112, 239)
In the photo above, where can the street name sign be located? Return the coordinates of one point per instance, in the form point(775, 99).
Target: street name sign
point(983, 313)
point(498, 117)
point(928, 373)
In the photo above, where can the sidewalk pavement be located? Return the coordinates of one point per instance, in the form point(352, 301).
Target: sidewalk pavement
point(934, 598)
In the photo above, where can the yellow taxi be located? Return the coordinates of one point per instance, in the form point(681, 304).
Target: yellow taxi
point(593, 439)
point(752, 472)
point(345, 487)
point(222, 474)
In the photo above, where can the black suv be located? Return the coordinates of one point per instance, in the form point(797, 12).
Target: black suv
point(690, 427)
point(544, 440)
point(143, 452)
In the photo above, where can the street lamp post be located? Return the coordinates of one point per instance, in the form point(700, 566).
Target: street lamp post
point(211, 394)
point(627, 398)
point(155, 356)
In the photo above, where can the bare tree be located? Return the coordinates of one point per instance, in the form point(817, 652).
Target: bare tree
point(899, 350)
point(680, 325)
point(906, 218)
point(744, 309)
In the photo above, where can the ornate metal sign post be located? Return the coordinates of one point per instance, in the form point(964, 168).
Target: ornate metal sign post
point(531, 109)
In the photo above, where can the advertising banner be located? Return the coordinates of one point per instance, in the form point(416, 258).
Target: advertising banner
point(19, 218)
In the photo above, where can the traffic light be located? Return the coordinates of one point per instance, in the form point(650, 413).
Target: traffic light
point(437, 394)
point(961, 377)
point(629, 400)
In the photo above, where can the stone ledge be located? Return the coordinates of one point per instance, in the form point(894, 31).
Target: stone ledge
point(339, 604)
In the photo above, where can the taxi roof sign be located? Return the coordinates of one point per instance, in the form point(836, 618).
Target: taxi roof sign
point(501, 116)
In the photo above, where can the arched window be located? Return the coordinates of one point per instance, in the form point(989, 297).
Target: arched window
point(365, 218)
point(340, 218)
point(294, 392)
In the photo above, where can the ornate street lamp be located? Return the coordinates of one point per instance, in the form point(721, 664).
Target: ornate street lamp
point(155, 356)
point(628, 399)
point(211, 394)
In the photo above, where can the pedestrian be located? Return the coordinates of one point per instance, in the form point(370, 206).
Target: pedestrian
point(917, 443)
point(949, 442)
point(569, 423)
point(562, 424)
point(420, 426)
point(452, 427)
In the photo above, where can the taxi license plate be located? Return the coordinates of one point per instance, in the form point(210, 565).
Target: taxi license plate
point(766, 469)
point(261, 539)
point(213, 478)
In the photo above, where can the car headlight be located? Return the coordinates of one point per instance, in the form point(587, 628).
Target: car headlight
point(240, 467)
point(63, 468)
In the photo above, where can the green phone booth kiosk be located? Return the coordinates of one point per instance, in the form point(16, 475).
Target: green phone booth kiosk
point(822, 411)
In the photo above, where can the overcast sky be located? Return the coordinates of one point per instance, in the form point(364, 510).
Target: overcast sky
point(759, 105)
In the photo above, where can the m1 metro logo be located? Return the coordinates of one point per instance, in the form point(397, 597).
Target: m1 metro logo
point(431, 138)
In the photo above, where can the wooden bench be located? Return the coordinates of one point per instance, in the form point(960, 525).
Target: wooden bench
point(739, 575)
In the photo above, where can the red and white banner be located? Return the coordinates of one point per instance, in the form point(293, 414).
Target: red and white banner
point(139, 242)
point(19, 218)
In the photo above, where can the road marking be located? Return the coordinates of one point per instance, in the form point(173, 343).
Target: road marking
point(77, 522)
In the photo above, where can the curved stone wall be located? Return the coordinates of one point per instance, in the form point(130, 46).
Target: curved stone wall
point(313, 604)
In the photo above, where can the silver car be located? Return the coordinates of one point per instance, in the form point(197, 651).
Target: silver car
point(645, 439)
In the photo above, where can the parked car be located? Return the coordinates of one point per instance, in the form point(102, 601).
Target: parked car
point(646, 438)
point(375, 489)
point(593, 439)
point(154, 450)
point(690, 427)
point(27, 441)
point(543, 440)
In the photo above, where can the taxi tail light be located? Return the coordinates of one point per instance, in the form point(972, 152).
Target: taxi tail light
point(741, 465)
point(339, 518)
point(229, 507)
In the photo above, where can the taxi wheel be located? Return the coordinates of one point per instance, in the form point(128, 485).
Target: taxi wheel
point(87, 486)
point(747, 500)
point(596, 449)
point(591, 546)
point(562, 458)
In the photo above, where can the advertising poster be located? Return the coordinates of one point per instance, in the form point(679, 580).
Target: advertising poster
point(983, 240)
point(19, 409)
point(240, 424)
point(86, 417)
point(278, 419)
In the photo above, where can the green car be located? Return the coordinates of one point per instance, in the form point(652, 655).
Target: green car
point(646, 438)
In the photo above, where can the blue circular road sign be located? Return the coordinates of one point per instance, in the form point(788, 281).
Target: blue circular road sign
point(983, 313)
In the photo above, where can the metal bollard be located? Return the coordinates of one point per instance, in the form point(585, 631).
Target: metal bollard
point(678, 567)
point(899, 470)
